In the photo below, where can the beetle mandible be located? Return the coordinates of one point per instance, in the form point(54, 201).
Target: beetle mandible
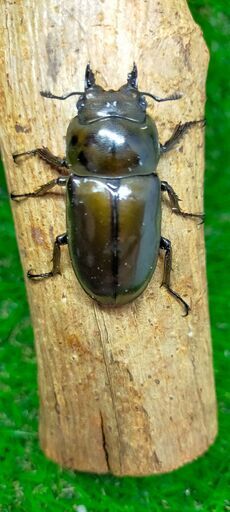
point(113, 194)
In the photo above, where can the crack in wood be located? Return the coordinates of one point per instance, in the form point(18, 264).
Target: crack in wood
point(56, 404)
point(106, 363)
point(203, 416)
point(157, 461)
point(104, 444)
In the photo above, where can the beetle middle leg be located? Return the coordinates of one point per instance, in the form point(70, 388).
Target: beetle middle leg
point(178, 133)
point(60, 240)
point(165, 244)
point(44, 154)
point(174, 202)
point(41, 191)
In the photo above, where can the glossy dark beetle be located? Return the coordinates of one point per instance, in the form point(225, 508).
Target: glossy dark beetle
point(113, 192)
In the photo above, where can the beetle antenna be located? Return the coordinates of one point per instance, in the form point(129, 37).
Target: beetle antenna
point(48, 94)
point(132, 77)
point(175, 96)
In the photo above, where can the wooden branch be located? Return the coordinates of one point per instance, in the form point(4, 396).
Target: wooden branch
point(127, 390)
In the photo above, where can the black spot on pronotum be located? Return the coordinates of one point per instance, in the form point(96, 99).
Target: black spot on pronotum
point(74, 140)
point(82, 158)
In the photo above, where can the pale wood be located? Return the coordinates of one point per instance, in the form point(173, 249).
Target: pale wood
point(126, 390)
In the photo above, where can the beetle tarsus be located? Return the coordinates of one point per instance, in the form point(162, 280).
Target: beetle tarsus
point(60, 240)
point(174, 202)
point(178, 298)
point(41, 276)
point(178, 133)
point(17, 155)
point(165, 244)
point(200, 216)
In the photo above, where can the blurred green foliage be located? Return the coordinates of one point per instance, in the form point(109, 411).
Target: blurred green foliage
point(28, 481)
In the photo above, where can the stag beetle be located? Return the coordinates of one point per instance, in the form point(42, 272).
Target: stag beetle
point(113, 194)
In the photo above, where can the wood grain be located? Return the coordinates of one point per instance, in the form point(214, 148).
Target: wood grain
point(128, 390)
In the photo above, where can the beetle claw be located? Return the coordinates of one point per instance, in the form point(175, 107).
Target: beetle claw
point(187, 309)
point(38, 276)
point(202, 217)
point(16, 197)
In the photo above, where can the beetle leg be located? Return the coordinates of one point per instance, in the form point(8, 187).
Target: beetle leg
point(41, 191)
point(60, 240)
point(179, 131)
point(44, 153)
point(174, 202)
point(165, 244)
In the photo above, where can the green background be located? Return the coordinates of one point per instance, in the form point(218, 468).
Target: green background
point(28, 481)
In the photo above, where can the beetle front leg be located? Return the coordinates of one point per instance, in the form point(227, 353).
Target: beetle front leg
point(174, 202)
point(41, 191)
point(60, 240)
point(44, 154)
point(165, 244)
point(178, 133)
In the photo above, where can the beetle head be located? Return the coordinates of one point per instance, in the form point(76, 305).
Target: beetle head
point(96, 103)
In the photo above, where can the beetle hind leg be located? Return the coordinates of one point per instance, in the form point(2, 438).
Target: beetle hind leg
point(60, 240)
point(174, 202)
point(165, 244)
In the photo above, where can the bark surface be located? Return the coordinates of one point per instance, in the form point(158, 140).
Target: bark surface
point(127, 390)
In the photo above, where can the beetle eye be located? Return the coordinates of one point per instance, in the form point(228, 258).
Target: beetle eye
point(143, 103)
point(80, 103)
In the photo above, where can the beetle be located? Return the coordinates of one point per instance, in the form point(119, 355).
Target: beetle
point(113, 192)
